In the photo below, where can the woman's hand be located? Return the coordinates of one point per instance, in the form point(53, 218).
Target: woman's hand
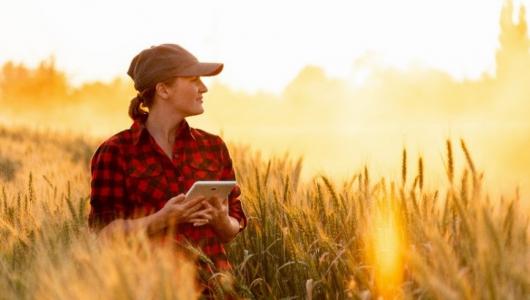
point(176, 210)
point(216, 212)
point(181, 210)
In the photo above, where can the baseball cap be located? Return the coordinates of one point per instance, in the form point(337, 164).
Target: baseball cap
point(159, 63)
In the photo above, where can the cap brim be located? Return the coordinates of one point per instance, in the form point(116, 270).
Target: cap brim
point(202, 69)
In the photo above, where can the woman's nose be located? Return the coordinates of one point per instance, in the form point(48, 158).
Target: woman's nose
point(202, 87)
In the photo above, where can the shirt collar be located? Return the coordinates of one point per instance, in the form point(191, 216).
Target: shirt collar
point(138, 130)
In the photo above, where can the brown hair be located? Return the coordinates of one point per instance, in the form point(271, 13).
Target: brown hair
point(143, 100)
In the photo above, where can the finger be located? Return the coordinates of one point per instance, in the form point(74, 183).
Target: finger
point(210, 209)
point(217, 206)
point(202, 214)
point(195, 224)
point(177, 199)
point(193, 202)
point(197, 207)
point(198, 221)
point(218, 202)
point(208, 206)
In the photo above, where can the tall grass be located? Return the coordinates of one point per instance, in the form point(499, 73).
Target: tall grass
point(357, 239)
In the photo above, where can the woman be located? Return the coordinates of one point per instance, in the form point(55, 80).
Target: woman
point(140, 175)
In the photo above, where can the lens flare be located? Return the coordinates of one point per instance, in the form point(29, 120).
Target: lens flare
point(385, 241)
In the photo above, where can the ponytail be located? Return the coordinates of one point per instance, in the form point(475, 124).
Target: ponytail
point(140, 105)
point(135, 110)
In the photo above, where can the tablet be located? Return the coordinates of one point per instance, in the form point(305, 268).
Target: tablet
point(210, 189)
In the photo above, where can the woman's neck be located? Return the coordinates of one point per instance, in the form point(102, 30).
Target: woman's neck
point(163, 126)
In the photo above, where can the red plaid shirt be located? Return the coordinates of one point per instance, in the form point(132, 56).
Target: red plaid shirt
point(133, 177)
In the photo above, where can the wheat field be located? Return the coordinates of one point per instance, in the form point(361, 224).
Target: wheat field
point(364, 238)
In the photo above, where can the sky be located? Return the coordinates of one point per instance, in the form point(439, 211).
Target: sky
point(264, 44)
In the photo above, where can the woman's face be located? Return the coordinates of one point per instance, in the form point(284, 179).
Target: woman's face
point(185, 95)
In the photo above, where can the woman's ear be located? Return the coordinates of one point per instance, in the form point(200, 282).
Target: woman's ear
point(162, 90)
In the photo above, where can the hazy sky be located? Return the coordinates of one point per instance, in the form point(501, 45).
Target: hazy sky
point(263, 44)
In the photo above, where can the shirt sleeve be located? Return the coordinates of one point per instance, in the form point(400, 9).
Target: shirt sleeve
point(107, 187)
point(235, 208)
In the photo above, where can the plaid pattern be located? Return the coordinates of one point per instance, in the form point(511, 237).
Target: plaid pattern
point(132, 177)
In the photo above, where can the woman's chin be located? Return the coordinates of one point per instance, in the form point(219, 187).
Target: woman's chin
point(196, 112)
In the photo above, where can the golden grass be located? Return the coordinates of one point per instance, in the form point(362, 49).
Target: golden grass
point(359, 239)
